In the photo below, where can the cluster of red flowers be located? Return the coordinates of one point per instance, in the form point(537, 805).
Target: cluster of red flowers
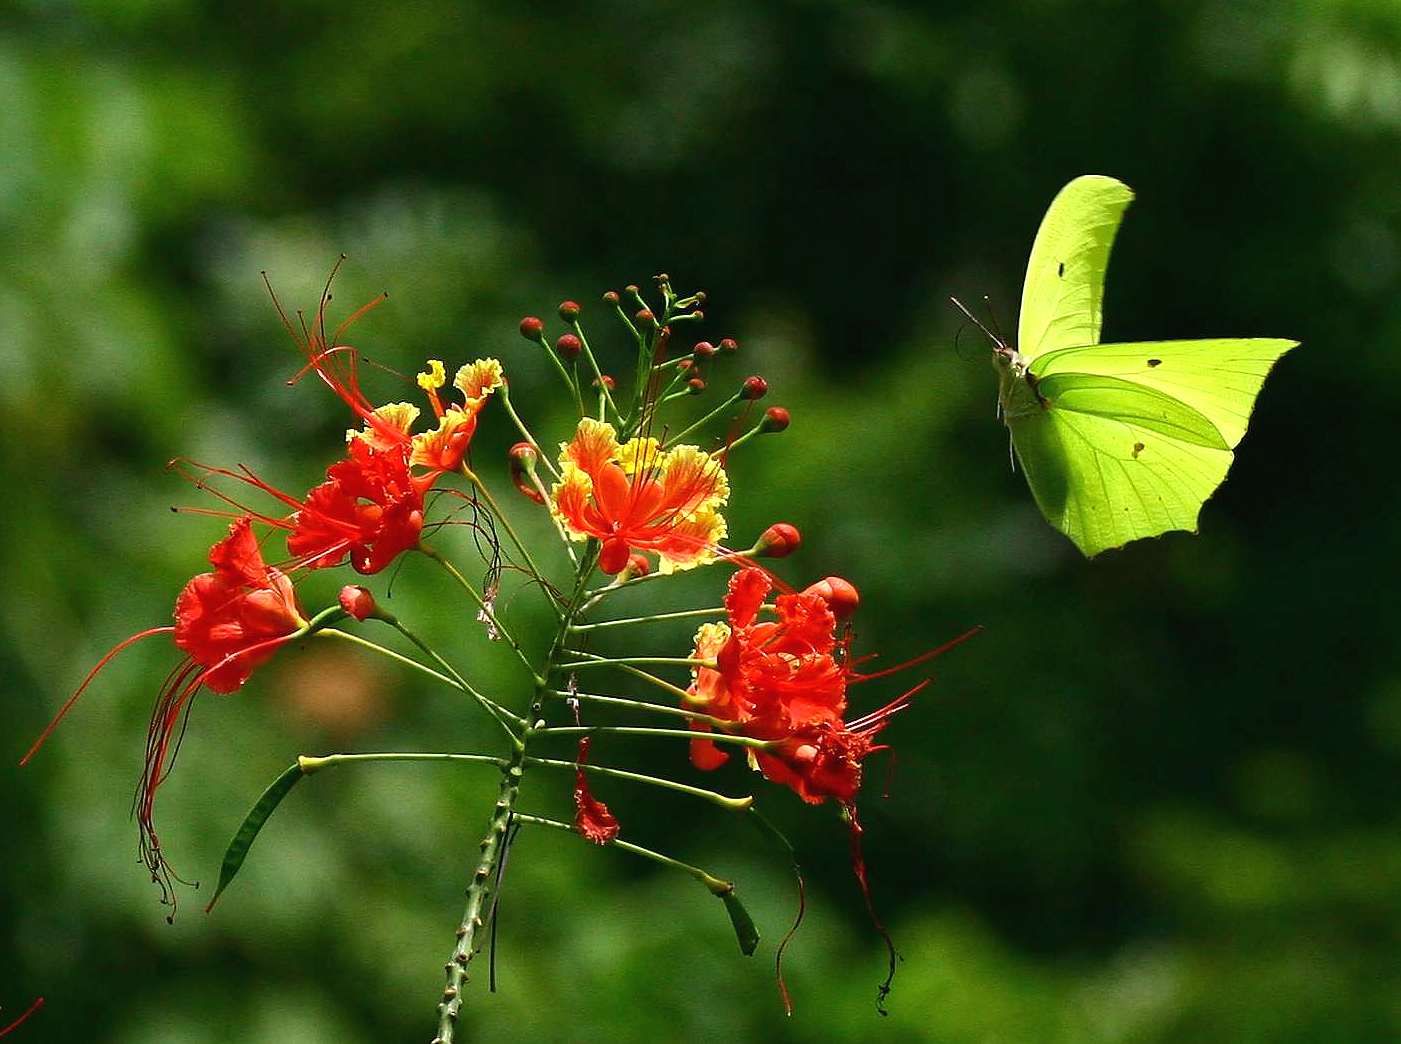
point(368, 511)
point(785, 680)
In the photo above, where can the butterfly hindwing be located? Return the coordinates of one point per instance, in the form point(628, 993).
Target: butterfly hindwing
point(1104, 481)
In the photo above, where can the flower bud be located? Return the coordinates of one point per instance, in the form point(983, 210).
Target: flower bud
point(778, 541)
point(729, 344)
point(699, 296)
point(637, 566)
point(569, 310)
point(568, 347)
point(610, 297)
point(840, 595)
point(608, 382)
point(685, 364)
point(695, 385)
point(645, 316)
point(631, 288)
point(775, 419)
point(704, 350)
point(357, 601)
point(532, 329)
point(754, 388)
point(614, 556)
point(523, 458)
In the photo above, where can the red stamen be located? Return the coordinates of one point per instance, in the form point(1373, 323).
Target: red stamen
point(38, 1003)
point(921, 658)
point(63, 711)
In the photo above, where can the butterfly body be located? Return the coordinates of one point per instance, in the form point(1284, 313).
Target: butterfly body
point(1117, 441)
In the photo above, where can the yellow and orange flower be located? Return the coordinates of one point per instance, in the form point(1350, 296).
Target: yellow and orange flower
point(639, 496)
point(442, 448)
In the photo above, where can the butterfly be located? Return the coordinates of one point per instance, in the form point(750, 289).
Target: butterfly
point(1117, 441)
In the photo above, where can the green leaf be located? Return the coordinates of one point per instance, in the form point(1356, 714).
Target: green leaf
point(745, 932)
point(258, 815)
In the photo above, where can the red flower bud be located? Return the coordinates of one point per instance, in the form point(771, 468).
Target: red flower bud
point(569, 310)
point(685, 364)
point(523, 458)
point(637, 565)
point(645, 316)
point(695, 385)
point(608, 382)
point(754, 388)
point(778, 541)
point(532, 329)
point(614, 556)
point(610, 297)
point(840, 595)
point(704, 350)
point(775, 419)
point(730, 344)
point(357, 601)
point(568, 347)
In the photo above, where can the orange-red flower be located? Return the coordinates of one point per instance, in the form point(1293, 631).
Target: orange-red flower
point(636, 496)
point(228, 622)
point(370, 508)
point(772, 677)
point(592, 818)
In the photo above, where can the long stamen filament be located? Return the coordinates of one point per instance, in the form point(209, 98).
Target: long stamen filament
point(715, 885)
point(643, 705)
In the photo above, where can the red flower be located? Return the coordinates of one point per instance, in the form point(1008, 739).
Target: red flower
point(637, 496)
point(591, 816)
point(772, 677)
point(370, 508)
point(228, 622)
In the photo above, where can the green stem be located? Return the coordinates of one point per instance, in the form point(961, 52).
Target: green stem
point(677, 661)
point(500, 713)
point(655, 617)
point(643, 705)
point(310, 764)
point(639, 730)
point(593, 365)
point(476, 596)
point(734, 804)
point(535, 573)
point(479, 888)
point(706, 419)
point(716, 885)
point(520, 426)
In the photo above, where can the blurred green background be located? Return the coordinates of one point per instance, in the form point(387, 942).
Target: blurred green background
point(1154, 802)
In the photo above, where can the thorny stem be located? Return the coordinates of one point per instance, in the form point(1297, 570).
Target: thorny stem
point(716, 885)
point(484, 876)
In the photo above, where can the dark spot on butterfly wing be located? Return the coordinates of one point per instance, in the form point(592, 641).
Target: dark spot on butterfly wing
point(1060, 269)
point(1155, 362)
point(1137, 449)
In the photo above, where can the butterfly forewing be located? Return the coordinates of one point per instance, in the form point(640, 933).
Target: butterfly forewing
point(1063, 297)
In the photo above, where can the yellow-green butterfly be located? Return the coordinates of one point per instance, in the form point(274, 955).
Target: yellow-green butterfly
point(1118, 441)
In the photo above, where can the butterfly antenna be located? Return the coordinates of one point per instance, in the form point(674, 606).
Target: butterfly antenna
point(1011, 452)
point(992, 319)
point(998, 341)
